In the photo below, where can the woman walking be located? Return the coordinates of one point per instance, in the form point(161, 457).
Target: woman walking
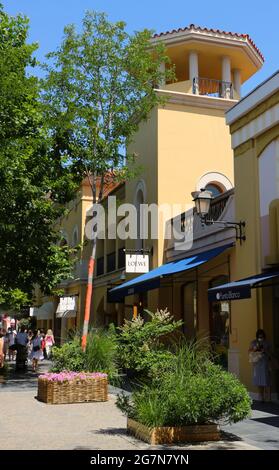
point(2, 357)
point(259, 356)
point(36, 352)
point(49, 339)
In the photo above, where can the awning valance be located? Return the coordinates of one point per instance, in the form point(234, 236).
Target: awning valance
point(45, 312)
point(151, 280)
point(67, 307)
point(241, 289)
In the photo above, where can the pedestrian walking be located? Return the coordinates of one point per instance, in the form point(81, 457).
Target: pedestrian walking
point(6, 343)
point(260, 357)
point(11, 344)
point(49, 339)
point(21, 348)
point(36, 353)
point(2, 357)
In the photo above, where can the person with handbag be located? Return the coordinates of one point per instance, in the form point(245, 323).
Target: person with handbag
point(11, 343)
point(21, 341)
point(2, 357)
point(259, 356)
point(36, 352)
point(49, 339)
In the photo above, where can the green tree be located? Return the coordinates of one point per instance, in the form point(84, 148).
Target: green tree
point(34, 180)
point(99, 87)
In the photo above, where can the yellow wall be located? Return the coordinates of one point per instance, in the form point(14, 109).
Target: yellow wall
point(250, 314)
point(191, 142)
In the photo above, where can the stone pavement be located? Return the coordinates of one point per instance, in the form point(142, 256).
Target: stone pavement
point(27, 424)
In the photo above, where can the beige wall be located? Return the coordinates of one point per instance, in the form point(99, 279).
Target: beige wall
point(191, 142)
point(250, 314)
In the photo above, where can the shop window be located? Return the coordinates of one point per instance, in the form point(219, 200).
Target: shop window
point(189, 302)
point(273, 257)
point(219, 322)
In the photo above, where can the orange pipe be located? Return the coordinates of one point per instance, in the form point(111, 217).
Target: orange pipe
point(88, 300)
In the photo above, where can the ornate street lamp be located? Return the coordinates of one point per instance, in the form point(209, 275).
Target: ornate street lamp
point(202, 200)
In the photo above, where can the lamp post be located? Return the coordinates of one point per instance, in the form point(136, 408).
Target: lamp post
point(202, 200)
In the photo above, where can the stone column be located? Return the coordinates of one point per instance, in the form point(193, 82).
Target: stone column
point(237, 81)
point(226, 76)
point(194, 69)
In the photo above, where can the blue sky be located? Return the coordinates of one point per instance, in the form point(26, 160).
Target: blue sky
point(257, 18)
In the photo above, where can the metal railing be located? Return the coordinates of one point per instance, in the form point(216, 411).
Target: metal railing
point(212, 87)
point(218, 205)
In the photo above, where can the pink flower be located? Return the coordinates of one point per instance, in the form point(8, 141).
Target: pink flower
point(70, 376)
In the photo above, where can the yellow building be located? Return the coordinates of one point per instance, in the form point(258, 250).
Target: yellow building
point(254, 126)
point(71, 227)
point(185, 145)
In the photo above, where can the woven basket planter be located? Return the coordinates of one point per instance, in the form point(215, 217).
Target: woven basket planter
point(174, 435)
point(78, 390)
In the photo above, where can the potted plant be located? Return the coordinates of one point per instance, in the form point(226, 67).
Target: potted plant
point(72, 387)
point(186, 403)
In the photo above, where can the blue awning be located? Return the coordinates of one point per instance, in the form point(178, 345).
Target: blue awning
point(151, 280)
point(241, 289)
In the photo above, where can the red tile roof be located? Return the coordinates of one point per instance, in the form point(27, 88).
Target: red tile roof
point(211, 30)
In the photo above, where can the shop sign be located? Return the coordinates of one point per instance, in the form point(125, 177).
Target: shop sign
point(230, 294)
point(137, 263)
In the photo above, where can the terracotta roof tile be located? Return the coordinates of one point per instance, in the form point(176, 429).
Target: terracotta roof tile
point(211, 30)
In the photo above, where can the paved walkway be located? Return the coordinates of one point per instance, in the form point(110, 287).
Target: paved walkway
point(28, 424)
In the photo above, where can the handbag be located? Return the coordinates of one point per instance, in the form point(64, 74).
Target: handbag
point(255, 356)
point(36, 348)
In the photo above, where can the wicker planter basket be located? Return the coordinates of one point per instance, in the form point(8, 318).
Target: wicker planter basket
point(72, 391)
point(174, 435)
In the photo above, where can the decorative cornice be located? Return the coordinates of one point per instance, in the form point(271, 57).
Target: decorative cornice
point(199, 101)
point(257, 126)
point(197, 32)
point(253, 100)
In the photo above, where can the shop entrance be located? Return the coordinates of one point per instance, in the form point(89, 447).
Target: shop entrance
point(219, 325)
point(276, 336)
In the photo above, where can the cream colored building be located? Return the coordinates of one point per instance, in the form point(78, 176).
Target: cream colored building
point(254, 126)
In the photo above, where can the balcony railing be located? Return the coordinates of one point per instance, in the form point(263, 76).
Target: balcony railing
point(211, 87)
point(218, 205)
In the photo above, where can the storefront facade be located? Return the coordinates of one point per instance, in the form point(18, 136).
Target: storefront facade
point(254, 126)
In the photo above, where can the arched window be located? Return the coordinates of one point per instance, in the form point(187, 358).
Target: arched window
point(75, 237)
point(64, 239)
point(215, 182)
point(215, 189)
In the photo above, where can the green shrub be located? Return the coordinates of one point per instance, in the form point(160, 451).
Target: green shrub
point(141, 345)
point(192, 391)
point(68, 357)
point(101, 353)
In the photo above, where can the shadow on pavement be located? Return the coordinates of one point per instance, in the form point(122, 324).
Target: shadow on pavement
point(268, 407)
point(270, 420)
point(14, 380)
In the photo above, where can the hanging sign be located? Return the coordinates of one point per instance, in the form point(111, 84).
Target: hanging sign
point(137, 263)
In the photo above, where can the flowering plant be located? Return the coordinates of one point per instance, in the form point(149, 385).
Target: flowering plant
point(68, 376)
